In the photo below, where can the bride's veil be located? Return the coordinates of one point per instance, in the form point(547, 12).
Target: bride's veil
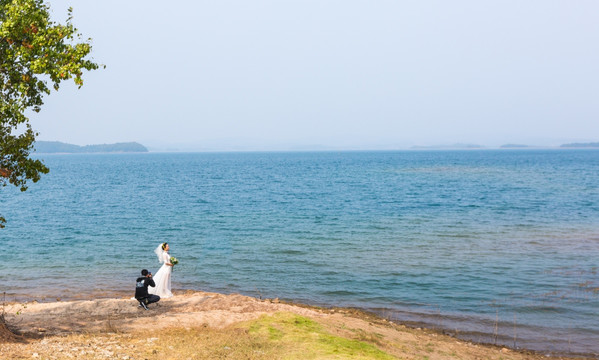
point(159, 253)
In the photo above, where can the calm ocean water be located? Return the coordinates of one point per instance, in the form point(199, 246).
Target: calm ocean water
point(460, 240)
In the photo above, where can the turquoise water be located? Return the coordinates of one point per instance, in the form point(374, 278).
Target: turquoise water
point(459, 240)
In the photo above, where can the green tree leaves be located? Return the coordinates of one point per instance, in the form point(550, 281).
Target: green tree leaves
point(36, 54)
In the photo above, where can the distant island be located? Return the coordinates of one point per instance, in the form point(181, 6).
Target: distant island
point(448, 147)
point(581, 145)
point(49, 147)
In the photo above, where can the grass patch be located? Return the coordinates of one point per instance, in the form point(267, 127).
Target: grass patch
point(301, 337)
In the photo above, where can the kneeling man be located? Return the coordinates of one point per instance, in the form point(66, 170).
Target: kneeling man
point(141, 289)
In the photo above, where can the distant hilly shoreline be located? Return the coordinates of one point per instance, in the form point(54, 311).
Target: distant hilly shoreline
point(505, 146)
point(50, 147)
point(581, 145)
point(57, 147)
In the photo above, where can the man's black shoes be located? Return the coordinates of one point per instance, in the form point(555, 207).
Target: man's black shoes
point(142, 305)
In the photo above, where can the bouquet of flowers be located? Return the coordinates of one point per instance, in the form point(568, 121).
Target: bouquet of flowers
point(174, 260)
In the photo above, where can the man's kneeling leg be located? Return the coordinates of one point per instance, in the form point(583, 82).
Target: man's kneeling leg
point(152, 299)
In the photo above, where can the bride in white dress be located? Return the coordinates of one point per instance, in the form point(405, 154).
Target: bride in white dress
point(162, 278)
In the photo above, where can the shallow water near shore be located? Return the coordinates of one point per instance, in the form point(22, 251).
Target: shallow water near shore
point(488, 244)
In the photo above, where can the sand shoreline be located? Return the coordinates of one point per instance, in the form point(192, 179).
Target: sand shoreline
point(433, 322)
point(193, 309)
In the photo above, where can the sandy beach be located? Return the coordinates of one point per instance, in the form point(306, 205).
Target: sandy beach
point(201, 325)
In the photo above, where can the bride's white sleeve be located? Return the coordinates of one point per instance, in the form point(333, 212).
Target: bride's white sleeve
point(166, 257)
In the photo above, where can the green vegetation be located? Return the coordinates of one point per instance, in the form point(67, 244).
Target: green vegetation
point(306, 339)
point(59, 147)
point(36, 54)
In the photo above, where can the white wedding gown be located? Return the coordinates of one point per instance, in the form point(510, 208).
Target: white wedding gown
point(163, 278)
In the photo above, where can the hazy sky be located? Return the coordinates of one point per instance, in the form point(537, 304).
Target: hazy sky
point(220, 74)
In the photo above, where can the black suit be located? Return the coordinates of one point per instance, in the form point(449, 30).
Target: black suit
point(141, 290)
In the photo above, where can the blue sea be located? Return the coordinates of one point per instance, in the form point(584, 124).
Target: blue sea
point(499, 246)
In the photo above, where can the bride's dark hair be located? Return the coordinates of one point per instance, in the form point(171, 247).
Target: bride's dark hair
point(164, 245)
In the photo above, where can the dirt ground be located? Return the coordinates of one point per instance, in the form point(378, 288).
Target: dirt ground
point(54, 330)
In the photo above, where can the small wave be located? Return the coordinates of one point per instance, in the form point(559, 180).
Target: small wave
point(339, 293)
point(289, 252)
